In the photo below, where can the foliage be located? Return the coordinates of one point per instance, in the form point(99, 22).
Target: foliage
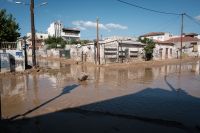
point(82, 42)
point(55, 42)
point(150, 45)
point(9, 28)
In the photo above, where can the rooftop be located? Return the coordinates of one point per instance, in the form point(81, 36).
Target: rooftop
point(71, 29)
point(184, 39)
point(153, 34)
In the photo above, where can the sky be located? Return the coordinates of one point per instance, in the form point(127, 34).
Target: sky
point(116, 18)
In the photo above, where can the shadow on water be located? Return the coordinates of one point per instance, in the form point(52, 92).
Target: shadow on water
point(149, 110)
point(65, 90)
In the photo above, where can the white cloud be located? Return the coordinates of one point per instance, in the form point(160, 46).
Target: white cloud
point(116, 26)
point(84, 25)
point(197, 18)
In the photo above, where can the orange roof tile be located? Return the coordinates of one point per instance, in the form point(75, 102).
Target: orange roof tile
point(153, 34)
point(184, 39)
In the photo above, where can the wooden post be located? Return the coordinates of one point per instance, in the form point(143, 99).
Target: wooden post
point(182, 15)
point(98, 46)
point(0, 106)
point(33, 32)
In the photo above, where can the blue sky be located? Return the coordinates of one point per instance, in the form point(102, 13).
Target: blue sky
point(116, 18)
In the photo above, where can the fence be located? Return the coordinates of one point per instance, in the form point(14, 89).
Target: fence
point(8, 45)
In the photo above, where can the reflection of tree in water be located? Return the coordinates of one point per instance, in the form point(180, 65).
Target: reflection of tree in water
point(148, 74)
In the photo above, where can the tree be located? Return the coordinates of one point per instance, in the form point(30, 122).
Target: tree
point(9, 28)
point(150, 45)
point(55, 42)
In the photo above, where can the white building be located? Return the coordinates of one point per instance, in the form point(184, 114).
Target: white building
point(70, 34)
point(57, 29)
point(39, 35)
point(39, 40)
point(164, 50)
point(158, 36)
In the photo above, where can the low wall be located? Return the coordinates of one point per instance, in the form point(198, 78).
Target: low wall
point(12, 60)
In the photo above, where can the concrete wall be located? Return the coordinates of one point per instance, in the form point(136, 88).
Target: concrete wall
point(188, 50)
point(82, 53)
point(160, 47)
point(13, 60)
point(4, 62)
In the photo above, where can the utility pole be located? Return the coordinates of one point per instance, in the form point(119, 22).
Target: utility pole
point(98, 46)
point(1, 117)
point(25, 52)
point(33, 33)
point(182, 15)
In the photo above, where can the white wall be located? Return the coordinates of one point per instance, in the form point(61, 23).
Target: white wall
point(39, 35)
point(157, 56)
point(164, 37)
point(55, 29)
point(18, 56)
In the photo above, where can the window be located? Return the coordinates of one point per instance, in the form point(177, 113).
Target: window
point(166, 53)
point(195, 47)
point(171, 51)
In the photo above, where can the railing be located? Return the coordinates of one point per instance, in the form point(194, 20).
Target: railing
point(8, 45)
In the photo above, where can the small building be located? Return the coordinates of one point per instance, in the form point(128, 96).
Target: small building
point(123, 50)
point(39, 40)
point(190, 45)
point(164, 50)
point(110, 51)
point(158, 36)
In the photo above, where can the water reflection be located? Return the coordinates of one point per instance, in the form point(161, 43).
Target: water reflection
point(22, 93)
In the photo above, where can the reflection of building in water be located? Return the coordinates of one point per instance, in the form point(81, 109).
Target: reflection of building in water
point(13, 86)
point(135, 74)
point(110, 74)
point(196, 68)
point(50, 64)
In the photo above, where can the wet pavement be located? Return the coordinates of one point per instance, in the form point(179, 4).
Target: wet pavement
point(166, 95)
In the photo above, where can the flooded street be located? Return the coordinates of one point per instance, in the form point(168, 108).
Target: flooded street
point(168, 93)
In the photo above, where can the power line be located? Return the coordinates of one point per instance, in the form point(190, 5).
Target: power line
point(152, 10)
point(168, 24)
point(192, 19)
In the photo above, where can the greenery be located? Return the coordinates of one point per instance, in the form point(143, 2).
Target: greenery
point(53, 42)
point(9, 28)
point(150, 45)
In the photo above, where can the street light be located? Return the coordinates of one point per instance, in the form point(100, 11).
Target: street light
point(32, 26)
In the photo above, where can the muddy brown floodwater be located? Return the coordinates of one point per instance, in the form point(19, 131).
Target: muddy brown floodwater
point(168, 94)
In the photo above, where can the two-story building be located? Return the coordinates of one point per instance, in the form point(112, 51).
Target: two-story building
point(57, 29)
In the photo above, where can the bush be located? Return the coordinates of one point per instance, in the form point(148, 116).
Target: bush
point(53, 42)
point(148, 49)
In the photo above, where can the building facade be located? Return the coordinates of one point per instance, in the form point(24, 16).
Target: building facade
point(39, 40)
point(57, 29)
point(190, 45)
point(158, 36)
point(164, 50)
